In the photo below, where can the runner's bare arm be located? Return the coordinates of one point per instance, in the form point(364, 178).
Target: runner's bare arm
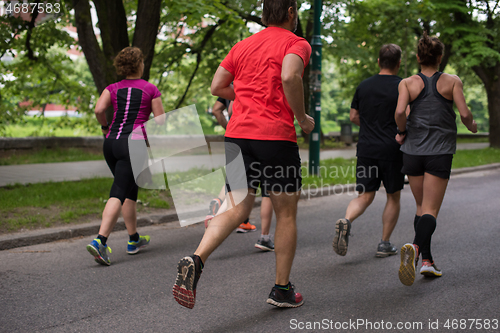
point(402, 110)
point(221, 84)
point(291, 77)
point(354, 116)
point(459, 99)
point(403, 100)
point(217, 111)
point(157, 107)
point(103, 103)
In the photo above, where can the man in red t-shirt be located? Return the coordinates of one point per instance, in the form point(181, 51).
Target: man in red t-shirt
point(267, 71)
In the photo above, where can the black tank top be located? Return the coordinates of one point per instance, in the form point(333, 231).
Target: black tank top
point(432, 128)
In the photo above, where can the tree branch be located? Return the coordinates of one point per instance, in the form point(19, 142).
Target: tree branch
point(198, 61)
point(483, 74)
point(31, 26)
point(89, 44)
point(146, 30)
point(198, 51)
point(245, 16)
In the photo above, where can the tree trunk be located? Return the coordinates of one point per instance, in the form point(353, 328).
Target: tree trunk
point(494, 112)
point(146, 30)
point(490, 77)
point(114, 36)
point(90, 46)
point(306, 77)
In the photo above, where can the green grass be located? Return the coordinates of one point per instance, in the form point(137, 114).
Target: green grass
point(471, 158)
point(328, 143)
point(52, 155)
point(332, 172)
point(52, 204)
point(53, 126)
point(473, 140)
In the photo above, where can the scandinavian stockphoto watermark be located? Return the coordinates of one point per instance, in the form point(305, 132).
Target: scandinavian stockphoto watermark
point(171, 151)
point(367, 325)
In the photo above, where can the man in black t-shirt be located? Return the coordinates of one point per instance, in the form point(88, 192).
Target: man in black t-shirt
point(379, 157)
point(218, 110)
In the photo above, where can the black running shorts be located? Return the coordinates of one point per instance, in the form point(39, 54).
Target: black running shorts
point(272, 164)
point(371, 172)
point(436, 165)
point(116, 153)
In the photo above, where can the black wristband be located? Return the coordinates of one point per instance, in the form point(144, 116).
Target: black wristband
point(104, 127)
point(402, 132)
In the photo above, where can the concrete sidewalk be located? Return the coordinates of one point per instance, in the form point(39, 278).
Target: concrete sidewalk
point(56, 172)
point(168, 218)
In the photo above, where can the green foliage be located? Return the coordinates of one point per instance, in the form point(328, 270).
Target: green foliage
point(52, 126)
point(195, 36)
point(50, 204)
point(53, 155)
point(40, 72)
point(470, 158)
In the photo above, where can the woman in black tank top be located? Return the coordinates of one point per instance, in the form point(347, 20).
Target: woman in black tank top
point(427, 134)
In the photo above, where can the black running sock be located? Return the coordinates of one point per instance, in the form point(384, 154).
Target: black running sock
point(102, 239)
point(134, 237)
point(247, 220)
point(201, 262)
point(415, 221)
point(425, 228)
point(285, 287)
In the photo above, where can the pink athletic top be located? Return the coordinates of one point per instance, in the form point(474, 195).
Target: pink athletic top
point(132, 104)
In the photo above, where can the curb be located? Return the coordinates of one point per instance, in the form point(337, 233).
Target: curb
point(10, 241)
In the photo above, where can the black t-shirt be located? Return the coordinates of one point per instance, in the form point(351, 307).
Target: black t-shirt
point(224, 101)
point(376, 99)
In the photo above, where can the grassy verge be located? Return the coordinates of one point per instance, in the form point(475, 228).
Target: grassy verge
point(51, 126)
point(53, 204)
point(471, 158)
point(54, 155)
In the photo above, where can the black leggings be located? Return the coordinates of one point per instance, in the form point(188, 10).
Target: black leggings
point(117, 156)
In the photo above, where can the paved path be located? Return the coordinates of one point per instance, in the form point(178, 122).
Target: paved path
point(45, 172)
point(39, 173)
point(57, 287)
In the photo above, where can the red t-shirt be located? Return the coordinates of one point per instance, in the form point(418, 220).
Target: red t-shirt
point(260, 109)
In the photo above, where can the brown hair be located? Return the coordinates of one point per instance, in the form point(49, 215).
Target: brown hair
point(429, 49)
point(389, 56)
point(128, 61)
point(275, 12)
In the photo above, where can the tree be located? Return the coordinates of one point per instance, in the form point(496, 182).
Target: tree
point(360, 28)
point(472, 29)
point(35, 67)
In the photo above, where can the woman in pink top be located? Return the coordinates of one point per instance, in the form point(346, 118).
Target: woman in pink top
point(133, 100)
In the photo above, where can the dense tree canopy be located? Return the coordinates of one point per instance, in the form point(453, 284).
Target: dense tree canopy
point(184, 43)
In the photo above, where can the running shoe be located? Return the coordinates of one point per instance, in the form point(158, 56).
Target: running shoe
point(188, 273)
point(265, 245)
point(214, 206)
point(341, 238)
point(134, 247)
point(430, 269)
point(409, 261)
point(208, 219)
point(386, 249)
point(98, 250)
point(285, 298)
point(246, 227)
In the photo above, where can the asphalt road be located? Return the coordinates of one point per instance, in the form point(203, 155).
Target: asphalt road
point(57, 287)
